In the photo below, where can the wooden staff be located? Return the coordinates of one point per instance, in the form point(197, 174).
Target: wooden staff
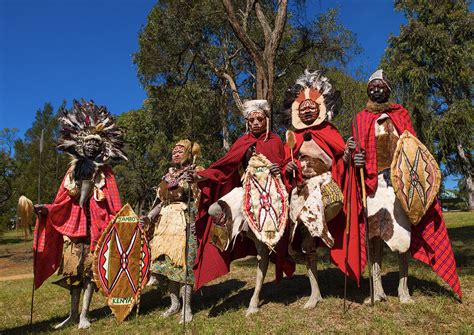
point(348, 225)
point(291, 142)
point(366, 215)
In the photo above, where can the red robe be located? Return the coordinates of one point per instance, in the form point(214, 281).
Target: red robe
point(223, 176)
point(330, 140)
point(429, 239)
point(66, 218)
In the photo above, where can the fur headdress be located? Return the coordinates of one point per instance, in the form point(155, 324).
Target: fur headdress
point(313, 86)
point(250, 106)
point(263, 106)
point(379, 75)
point(189, 154)
point(84, 121)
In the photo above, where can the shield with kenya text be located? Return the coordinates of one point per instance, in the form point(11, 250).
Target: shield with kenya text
point(415, 176)
point(122, 262)
point(265, 201)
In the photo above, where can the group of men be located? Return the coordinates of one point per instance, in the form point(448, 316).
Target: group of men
point(290, 198)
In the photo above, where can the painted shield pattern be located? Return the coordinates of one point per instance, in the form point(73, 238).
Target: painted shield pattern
point(122, 262)
point(415, 176)
point(264, 202)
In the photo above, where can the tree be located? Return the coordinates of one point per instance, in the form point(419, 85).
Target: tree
point(53, 162)
point(233, 52)
point(7, 175)
point(431, 67)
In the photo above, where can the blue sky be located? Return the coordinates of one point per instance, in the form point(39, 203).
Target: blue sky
point(55, 50)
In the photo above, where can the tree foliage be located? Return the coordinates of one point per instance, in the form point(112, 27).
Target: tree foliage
point(431, 66)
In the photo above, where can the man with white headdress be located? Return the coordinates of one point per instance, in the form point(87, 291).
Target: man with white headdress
point(377, 130)
point(224, 176)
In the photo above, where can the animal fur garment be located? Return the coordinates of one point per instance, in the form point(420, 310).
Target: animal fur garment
point(254, 106)
point(170, 235)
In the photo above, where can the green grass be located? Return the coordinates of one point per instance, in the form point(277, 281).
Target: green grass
point(220, 307)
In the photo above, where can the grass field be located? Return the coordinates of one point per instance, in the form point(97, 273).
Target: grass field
point(220, 307)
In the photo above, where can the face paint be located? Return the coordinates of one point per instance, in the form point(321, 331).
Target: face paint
point(257, 122)
point(378, 91)
point(177, 154)
point(92, 148)
point(308, 111)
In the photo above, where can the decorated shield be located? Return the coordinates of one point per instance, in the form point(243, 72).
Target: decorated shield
point(264, 202)
point(122, 262)
point(415, 176)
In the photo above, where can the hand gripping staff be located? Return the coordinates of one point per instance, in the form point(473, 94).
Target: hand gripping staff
point(366, 215)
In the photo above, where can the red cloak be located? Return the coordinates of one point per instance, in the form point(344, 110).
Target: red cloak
point(330, 140)
point(223, 176)
point(429, 239)
point(66, 218)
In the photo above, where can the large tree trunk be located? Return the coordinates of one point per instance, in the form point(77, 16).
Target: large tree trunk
point(468, 176)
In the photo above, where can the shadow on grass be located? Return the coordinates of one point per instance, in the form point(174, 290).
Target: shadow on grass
point(14, 240)
point(48, 325)
point(462, 239)
point(331, 283)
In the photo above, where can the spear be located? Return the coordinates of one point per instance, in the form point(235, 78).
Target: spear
point(36, 235)
point(366, 221)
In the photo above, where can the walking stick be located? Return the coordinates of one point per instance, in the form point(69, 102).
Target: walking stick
point(36, 235)
point(366, 221)
point(348, 225)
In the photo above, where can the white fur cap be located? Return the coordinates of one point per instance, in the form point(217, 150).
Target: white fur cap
point(250, 106)
point(379, 75)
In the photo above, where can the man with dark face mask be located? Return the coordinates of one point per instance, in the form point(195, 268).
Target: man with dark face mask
point(85, 203)
point(377, 129)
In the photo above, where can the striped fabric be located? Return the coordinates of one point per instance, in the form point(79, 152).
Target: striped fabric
point(429, 239)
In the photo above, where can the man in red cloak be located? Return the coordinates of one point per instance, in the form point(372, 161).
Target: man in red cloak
point(376, 129)
point(317, 156)
point(221, 178)
point(85, 203)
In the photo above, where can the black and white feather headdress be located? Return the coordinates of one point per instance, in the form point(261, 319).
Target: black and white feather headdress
point(84, 121)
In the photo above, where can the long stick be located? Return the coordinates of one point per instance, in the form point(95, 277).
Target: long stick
point(348, 226)
point(366, 221)
point(36, 235)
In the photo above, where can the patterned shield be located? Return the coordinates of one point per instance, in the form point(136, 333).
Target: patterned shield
point(265, 201)
point(122, 262)
point(415, 176)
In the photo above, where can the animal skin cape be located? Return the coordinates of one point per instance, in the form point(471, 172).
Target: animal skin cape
point(222, 176)
point(429, 239)
point(330, 140)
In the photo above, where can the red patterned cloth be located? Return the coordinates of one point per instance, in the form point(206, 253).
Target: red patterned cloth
point(429, 239)
point(66, 218)
point(330, 140)
point(223, 176)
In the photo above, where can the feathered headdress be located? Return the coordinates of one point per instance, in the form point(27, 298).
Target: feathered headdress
point(84, 121)
point(312, 86)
